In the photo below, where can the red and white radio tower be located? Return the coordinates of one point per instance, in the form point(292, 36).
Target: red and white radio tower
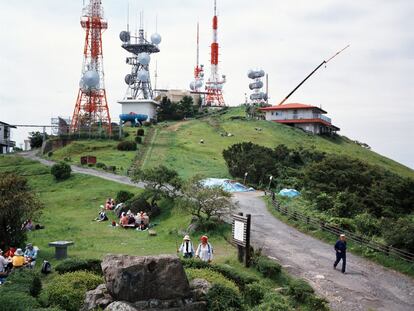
point(91, 110)
point(214, 85)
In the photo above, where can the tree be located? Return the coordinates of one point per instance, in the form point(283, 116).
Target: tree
point(36, 139)
point(205, 202)
point(17, 204)
point(160, 182)
point(61, 171)
point(185, 107)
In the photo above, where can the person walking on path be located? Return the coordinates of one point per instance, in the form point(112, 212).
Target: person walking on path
point(186, 248)
point(204, 250)
point(340, 249)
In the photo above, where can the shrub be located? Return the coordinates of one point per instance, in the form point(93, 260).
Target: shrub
point(194, 263)
point(273, 301)
point(316, 303)
point(140, 132)
point(138, 204)
point(17, 301)
point(61, 171)
point(300, 290)
point(111, 168)
point(222, 298)
point(23, 281)
point(100, 165)
point(400, 233)
point(123, 196)
point(126, 134)
point(268, 268)
point(127, 146)
point(76, 264)
point(211, 276)
point(50, 154)
point(138, 140)
point(254, 293)
point(68, 290)
point(239, 277)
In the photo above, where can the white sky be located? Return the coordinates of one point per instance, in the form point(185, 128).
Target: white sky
point(367, 90)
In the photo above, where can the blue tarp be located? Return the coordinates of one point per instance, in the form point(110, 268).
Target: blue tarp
point(227, 185)
point(291, 193)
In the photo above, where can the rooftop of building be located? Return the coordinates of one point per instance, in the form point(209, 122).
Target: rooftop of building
point(292, 106)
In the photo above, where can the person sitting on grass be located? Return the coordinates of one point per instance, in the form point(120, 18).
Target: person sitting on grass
point(123, 220)
point(131, 219)
point(204, 250)
point(10, 252)
point(30, 255)
point(3, 265)
point(102, 216)
point(18, 259)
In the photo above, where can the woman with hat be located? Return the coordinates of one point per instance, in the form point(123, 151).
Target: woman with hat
point(204, 250)
point(18, 259)
point(186, 248)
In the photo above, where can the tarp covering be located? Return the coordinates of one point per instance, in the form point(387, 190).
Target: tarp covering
point(291, 193)
point(226, 184)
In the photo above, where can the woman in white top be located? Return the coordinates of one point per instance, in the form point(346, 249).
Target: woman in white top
point(186, 248)
point(204, 250)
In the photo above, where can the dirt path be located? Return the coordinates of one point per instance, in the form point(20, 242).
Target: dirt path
point(367, 286)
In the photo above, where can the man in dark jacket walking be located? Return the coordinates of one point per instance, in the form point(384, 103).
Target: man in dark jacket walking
point(340, 249)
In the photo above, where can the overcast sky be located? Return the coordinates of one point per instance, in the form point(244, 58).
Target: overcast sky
point(367, 90)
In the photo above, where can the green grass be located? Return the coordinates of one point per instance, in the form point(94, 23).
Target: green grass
point(105, 151)
point(178, 144)
point(355, 248)
point(71, 206)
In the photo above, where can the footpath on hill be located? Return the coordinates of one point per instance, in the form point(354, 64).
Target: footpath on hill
point(366, 286)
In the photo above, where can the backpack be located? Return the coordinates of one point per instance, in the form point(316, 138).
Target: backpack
point(46, 267)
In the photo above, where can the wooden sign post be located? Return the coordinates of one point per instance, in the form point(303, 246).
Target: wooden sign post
point(241, 236)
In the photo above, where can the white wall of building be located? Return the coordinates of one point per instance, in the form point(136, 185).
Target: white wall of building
point(291, 114)
point(148, 108)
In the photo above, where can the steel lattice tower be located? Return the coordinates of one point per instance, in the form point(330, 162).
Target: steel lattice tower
point(214, 85)
point(91, 109)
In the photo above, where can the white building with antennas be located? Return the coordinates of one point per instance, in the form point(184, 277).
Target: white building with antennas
point(139, 97)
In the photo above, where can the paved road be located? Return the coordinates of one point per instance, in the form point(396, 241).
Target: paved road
point(367, 286)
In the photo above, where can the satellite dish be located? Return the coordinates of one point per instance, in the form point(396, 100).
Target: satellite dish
point(129, 79)
point(143, 75)
point(156, 38)
point(192, 86)
point(125, 36)
point(256, 85)
point(144, 58)
point(198, 84)
point(90, 80)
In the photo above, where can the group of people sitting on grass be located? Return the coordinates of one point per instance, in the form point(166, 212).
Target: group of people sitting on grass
point(15, 258)
point(139, 221)
point(204, 250)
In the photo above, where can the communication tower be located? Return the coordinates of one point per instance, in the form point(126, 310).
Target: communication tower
point(214, 85)
point(91, 109)
point(198, 81)
point(139, 81)
point(258, 96)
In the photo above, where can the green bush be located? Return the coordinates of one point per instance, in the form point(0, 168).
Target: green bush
point(273, 302)
point(239, 277)
point(48, 309)
point(17, 301)
point(300, 290)
point(123, 196)
point(400, 233)
point(194, 263)
point(254, 293)
point(23, 281)
point(61, 171)
point(140, 132)
point(100, 165)
point(76, 264)
point(317, 304)
point(222, 298)
point(127, 146)
point(67, 291)
point(138, 139)
point(211, 276)
point(50, 154)
point(111, 169)
point(139, 203)
point(268, 268)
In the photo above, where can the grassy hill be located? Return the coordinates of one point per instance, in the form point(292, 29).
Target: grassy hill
point(177, 145)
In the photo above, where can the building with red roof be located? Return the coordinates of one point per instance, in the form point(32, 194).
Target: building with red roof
point(306, 117)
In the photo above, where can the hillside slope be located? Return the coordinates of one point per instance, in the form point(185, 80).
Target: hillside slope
point(178, 146)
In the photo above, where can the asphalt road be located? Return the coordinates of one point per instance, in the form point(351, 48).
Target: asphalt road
point(366, 286)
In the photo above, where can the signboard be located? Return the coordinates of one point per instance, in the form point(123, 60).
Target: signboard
point(239, 231)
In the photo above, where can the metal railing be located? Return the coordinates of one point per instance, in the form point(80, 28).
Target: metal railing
point(318, 223)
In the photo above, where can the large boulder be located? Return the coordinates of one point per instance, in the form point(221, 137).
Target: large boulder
point(199, 289)
point(132, 279)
